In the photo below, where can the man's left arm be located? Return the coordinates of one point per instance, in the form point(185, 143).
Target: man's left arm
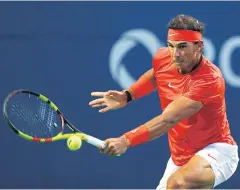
point(181, 108)
point(204, 90)
point(178, 110)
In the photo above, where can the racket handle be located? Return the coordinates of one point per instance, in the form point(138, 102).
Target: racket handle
point(95, 142)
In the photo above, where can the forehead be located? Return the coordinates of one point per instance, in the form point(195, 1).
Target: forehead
point(176, 43)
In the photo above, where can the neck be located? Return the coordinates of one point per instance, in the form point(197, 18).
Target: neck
point(199, 60)
point(195, 65)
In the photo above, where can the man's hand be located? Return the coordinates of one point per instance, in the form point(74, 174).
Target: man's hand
point(111, 99)
point(116, 146)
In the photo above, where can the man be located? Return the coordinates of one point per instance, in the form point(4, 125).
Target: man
point(192, 95)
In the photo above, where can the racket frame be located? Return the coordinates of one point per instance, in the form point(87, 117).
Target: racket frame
point(60, 136)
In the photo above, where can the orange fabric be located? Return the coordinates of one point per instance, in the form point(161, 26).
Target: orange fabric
point(205, 84)
point(142, 87)
point(184, 35)
point(138, 136)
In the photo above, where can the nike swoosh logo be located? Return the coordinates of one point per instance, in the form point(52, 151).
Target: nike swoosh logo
point(171, 86)
point(173, 34)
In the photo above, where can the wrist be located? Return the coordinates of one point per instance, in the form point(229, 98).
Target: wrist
point(128, 96)
point(138, 136)
point(127, 142)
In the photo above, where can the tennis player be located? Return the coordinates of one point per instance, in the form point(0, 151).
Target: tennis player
point(192, 96)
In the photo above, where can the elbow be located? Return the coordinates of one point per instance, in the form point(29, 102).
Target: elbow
point(170, 118)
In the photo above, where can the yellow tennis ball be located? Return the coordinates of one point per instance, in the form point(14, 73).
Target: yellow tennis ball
point(74, 142)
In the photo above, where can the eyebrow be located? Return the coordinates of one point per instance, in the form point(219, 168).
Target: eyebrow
point(183, 43)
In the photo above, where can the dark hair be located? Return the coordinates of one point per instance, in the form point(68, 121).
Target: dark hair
point(185, 22)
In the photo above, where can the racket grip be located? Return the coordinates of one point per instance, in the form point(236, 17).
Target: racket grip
point(95, 142)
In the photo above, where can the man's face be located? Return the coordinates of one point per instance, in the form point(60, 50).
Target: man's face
point(184, 54)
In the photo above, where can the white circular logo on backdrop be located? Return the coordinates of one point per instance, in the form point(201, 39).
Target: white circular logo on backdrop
point(128, 41)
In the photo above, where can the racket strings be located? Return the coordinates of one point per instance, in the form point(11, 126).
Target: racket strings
point(34, 117)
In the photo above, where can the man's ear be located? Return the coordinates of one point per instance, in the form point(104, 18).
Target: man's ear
point(200, 46)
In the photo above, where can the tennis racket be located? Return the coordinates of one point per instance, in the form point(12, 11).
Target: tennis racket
point(34, 117)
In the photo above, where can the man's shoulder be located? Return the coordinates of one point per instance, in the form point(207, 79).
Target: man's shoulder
point(161, 53)
point(161, 58)
point(208, 78)
point(209, 71)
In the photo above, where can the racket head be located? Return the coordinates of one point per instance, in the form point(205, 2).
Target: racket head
point(33, 116)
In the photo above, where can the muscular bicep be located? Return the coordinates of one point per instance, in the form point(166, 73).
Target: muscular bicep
point(181, 108)
point(150, 74)
point(143, 86)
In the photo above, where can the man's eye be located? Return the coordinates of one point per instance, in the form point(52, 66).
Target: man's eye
point(181, 46)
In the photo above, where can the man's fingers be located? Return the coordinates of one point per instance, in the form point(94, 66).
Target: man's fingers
point(99, 101)
point(97, 93)
point(107, 148)
point(111, 152)
point(104, 110)
point(110, 148)
point(113, 92)
point(98, 105)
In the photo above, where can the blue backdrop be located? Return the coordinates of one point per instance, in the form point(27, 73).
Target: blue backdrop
point(66, 50)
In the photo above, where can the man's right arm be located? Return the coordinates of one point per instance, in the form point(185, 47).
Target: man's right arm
point(143, 86)
point(113, 99)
